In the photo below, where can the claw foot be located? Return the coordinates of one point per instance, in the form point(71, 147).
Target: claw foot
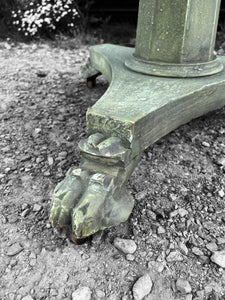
point(66, 196)
point(93, 197)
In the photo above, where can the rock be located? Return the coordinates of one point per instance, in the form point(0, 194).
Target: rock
point(50, 160)
point(82, 293)
point(189, 297)
point(221, 241)
point(183, 248)
point(141, 195)
point(218, 258)
point(212, 247)
point(182, 212)
point(175, 256)
point(161, 230)
point(37, 207)
point(197, 251)
point(14, 249)
point(100, 294)
point(39, 159)
point(221, 193)
point(205, 144)
point(156, 265)
point(28, 297)
point(125, 245)
point(183, 286)
point(130, 257)
point(221, 162)
point(142, 287)
point(62, 154)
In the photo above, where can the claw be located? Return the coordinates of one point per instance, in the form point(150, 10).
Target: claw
point(66, 195)
point(99, 208)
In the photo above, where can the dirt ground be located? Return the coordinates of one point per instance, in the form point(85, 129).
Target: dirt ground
point(178, 221)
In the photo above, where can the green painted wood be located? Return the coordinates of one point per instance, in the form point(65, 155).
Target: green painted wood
point(139, 108)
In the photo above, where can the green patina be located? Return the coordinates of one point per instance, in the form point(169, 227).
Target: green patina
point(175, 42)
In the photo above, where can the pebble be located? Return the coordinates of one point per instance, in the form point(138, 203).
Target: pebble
point(25, 213)
point(221, 162)
point(221, 193)
point(14, 249)
point(218, 258)
point(100, 294)
point(125, 245)
point(142, 287)
point(212, 247)
point(82, 293)
point(37, 207)
point(183, 286)
point(183, 248)
point(50, 160)
point(141, 195)
point(62, 154)
point(197, 251)
point(28, 297)
point(161, 230)
point(156, 265)
point(175, 256)
point(189, 297)
point(182, 212)
point(130, 257)
point(205, 144)
point(221, 241)
point(39, 159)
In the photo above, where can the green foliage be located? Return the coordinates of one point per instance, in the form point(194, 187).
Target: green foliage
point(46, 17)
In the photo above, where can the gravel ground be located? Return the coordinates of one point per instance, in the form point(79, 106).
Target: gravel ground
point(173, 245)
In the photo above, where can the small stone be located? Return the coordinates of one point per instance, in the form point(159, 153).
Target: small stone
point(218, 258)
point(189, 297)
point(142, 287)
point(14, 249)
point(161, 230)
point(175, 256)
point(37, 207)
point(37, 130)
point(197, 251)
point(25, 213)
point(212, 247)
point(41, 73)
point(221, 193)
point(141, 195)
point(39, 159)
point(130, 257)
point(183, 248)
point(100, 294)
point(183, 286)
point(221, 241)
point(157, 266)
point(62, 154)
point(82, 293)
point(182, 212)
point(205, 144)
point(125, 245)
point(50, 160)
point(221, 162)
point(28, 297)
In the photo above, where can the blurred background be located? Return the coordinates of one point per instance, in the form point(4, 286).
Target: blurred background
point(101, 20)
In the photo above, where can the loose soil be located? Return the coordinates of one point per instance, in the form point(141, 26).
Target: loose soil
point(178, 186)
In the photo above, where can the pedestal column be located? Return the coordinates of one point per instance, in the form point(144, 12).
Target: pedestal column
point(176, 38)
